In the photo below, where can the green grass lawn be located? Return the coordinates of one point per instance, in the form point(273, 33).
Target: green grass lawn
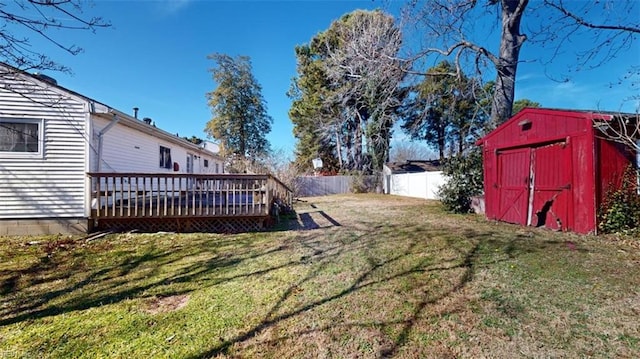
point(357, 276)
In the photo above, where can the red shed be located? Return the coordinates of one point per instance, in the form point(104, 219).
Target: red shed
point(547, 167)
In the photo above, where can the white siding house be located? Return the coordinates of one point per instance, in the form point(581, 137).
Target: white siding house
point(51, 137)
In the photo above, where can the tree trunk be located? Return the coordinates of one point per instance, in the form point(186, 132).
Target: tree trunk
point(441, 144)
point(243, 137)
point(358, 142)
point(338, 149)
point(507, 64)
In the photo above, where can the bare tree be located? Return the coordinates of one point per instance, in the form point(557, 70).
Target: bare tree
point(366, 76)
point(279, 164)
point(621, 128)
point(41, 18)
point(452, 28)
point(408, 150)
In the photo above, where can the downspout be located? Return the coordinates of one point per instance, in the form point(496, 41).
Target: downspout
point(100, 139)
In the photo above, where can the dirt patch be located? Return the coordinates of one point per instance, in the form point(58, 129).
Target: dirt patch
point(172, 303)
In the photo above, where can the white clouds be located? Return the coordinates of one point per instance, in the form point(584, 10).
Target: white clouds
point(170, 7)
point(527, 76)
point(571, 91)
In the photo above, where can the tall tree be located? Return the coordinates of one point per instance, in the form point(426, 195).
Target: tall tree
point(451, 24)
point(444, 110)
point(22, 19)
point(240, 120)
point(310, 110)
point(367, 76)
point(355, 91)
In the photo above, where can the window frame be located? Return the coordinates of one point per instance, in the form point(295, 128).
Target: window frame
point(38, 154)
point(168, 163)
point(190, 163)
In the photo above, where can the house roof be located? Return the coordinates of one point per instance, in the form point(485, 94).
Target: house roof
point(105, 111)
point(414, 166)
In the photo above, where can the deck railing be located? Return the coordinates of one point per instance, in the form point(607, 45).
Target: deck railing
point(144, 195)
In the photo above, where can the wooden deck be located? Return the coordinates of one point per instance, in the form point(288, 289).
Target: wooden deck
point(185, 202)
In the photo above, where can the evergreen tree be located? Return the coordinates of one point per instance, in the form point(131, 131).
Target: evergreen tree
point(445, 111)
point(240, 120)
point(310, 112)
point(520, 104)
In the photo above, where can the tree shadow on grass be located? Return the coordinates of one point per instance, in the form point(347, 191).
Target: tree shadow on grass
point(308, 217)
point(309, 221)
point(126, 278)
point(223, 259)
point(472, 248)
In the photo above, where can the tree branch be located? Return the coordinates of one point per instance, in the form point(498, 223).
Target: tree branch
point(582, 22)
point(39, 17)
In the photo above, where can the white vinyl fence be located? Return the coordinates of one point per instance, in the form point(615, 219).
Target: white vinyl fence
point(421, 185)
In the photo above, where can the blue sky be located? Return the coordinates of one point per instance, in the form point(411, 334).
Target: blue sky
point(154, 58)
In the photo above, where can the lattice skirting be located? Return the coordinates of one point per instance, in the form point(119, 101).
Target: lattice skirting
point(184, 225)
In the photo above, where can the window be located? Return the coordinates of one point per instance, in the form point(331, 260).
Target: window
point(21, 137)
point(165, 157)
point(206, 163)
point(217, 168)
point(189, 163)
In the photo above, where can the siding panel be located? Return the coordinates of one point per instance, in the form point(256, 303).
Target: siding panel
point(54, 185)
point(126, 149)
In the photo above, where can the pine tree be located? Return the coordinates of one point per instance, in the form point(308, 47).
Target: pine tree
point(240, 120)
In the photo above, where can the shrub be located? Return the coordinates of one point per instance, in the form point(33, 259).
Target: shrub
point(620, 211)
point(362, 183)
point(464, 179)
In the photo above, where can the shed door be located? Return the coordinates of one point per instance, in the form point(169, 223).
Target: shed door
point(551, 186)
point(514, 167)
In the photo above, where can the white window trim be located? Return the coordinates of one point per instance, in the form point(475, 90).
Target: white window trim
point(40, 153)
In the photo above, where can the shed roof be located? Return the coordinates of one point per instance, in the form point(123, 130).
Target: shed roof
point(571, 120)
